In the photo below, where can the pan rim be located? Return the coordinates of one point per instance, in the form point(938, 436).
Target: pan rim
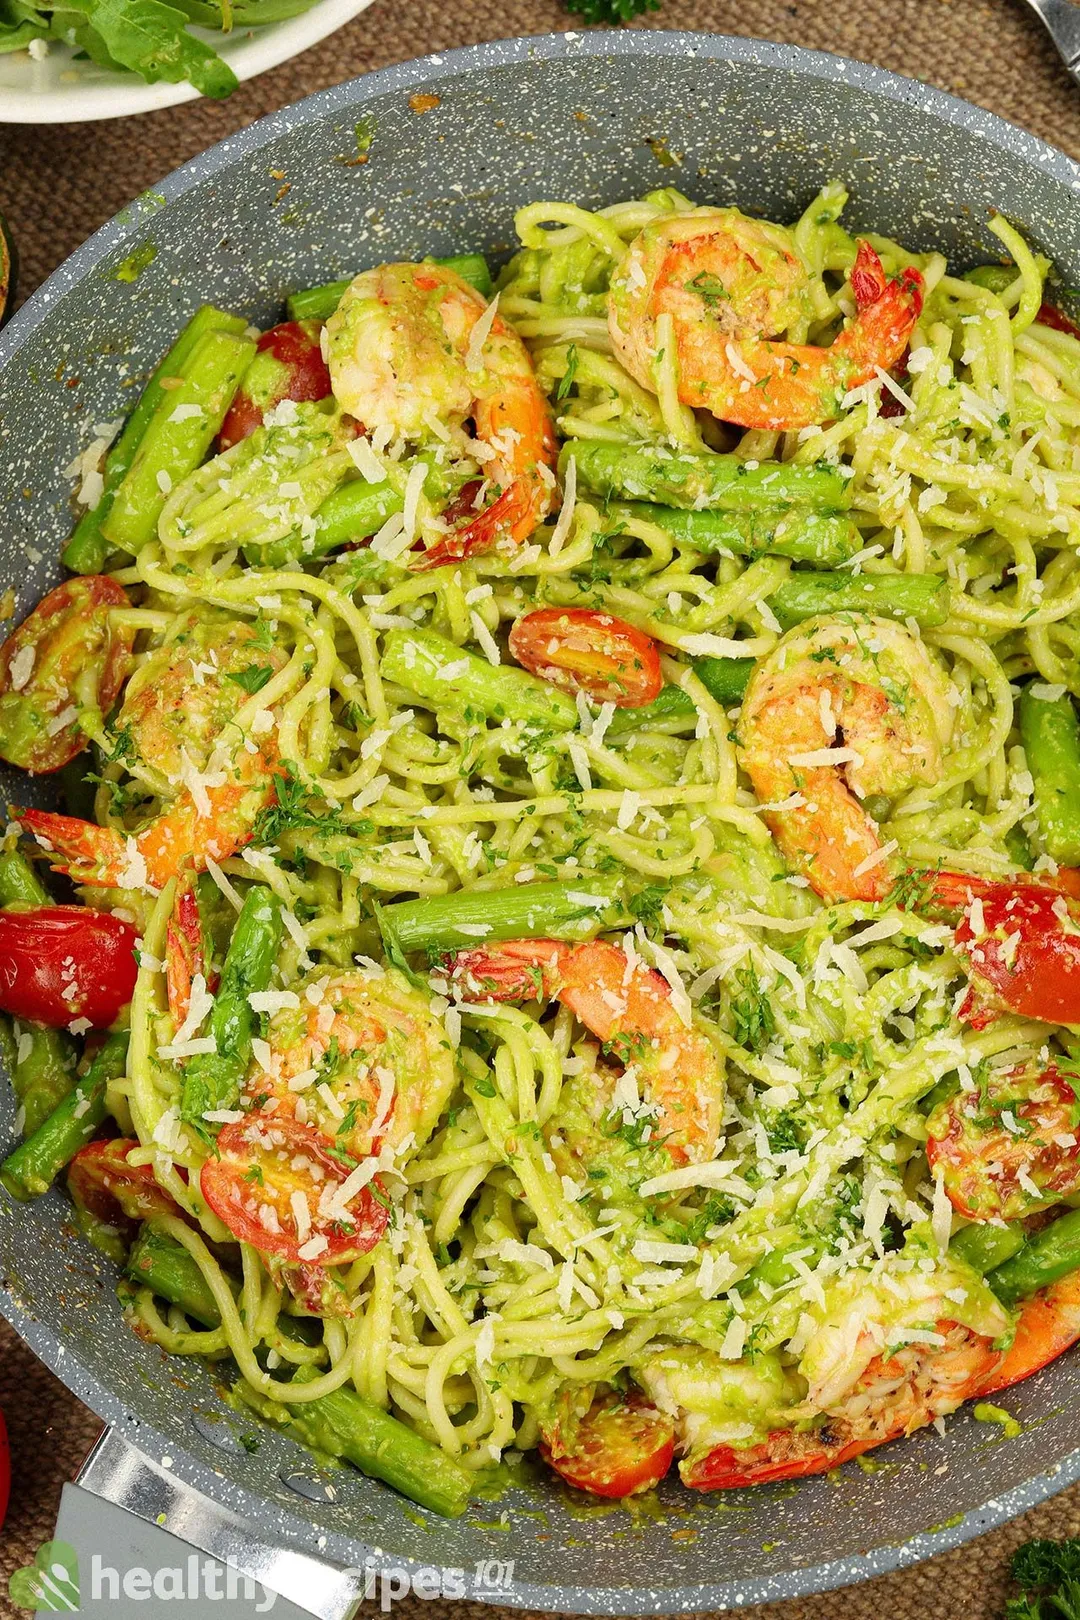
point(129, 223)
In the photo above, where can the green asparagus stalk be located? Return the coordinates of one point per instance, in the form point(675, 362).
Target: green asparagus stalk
point(1044, 1259)
point(175, 442)
point(922, 597)
point(212, 1080)
point(706, 481)
point(86, 551)
point(445, 676)
point(451, 922)
point(352, 512)
point(344, 1425)
point(824, 539)
point(159, 1263)
point(984, 1247)
point(44, 1073)
point(1051, 738)
point(672, 712)
point(19, 883)
point(319, 303)
point(33, 1167)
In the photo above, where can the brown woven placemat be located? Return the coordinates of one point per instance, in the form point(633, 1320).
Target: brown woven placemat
point(57, 184)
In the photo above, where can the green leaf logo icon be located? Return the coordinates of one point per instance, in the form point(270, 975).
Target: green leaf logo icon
point(50, 1582)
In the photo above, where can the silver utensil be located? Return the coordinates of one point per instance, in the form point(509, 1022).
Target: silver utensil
point(1061, 19)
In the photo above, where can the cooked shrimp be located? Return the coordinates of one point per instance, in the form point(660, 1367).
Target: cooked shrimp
point(413, 344)
point(730, 285)
point(630, 1009)
point(841, 708)
point(880, 1364)
point(177, 733)
point(362, 1058)
point(1049, 1325)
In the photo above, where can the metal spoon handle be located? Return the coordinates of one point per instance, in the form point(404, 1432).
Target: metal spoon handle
point(1062, 22)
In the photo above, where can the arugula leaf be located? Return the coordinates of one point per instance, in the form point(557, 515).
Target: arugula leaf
point(254, 678)
point(151, 38)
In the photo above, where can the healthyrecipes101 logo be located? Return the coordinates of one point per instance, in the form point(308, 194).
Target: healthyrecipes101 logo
point(51, 1582)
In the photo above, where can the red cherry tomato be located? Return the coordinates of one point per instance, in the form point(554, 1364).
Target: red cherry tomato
point(583, 650)
point(5, 1470)
point(288, 364)
point(59, 963)
point(620, 1446)
point(261, 1163)
point(102, 1182)
point(1049, 316)
point(1017, 1124)
point(65, 657)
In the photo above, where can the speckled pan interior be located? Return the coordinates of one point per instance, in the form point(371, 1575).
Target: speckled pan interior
point(592, 118)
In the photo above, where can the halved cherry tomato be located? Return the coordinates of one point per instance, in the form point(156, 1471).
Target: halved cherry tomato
point(1019, 1124)
point(1049, 316)
point(288, 364)
point(65, 657)
point(261, 1163)
point(1021, 941)
point(102, 1182)
point(621, 1445)
point(583, 650)
point(59, 963)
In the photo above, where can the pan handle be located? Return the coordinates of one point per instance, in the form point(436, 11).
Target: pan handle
point(117, 1472)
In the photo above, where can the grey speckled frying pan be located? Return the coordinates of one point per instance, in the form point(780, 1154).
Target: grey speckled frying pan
point(592, 118)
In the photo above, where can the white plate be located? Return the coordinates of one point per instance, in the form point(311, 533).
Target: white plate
point(60, 90)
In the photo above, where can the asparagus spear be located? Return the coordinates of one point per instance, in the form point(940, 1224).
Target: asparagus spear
point(319, 303)
point(1044, 1259)
point(85, 552)
point(157, 1262)
point(447, 677)
point(174, 442)
point(824, 539)
point(344, 1425)
point(212, 1080)
point(1051, 737)
point(983, 1246)
point(922, 597)
point(717, 482)
point(44, 1072)
point(35, 1165)
point(352, 512)
point(19, 883)
point(450, 922)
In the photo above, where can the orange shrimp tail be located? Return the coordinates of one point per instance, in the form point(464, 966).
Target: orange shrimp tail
point(516, 970)
point(831, 853)
point(185, 955)
point(888, 310)
point(1049, 1323)
point(512, 514)
point(181, 836)
point(83, 851)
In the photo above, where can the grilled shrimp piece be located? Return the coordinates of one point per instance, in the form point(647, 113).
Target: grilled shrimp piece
point(412, 345)
point(363, 1059)
point(730, 285)
point(179, 736)
point(630, 1009)
point(879, 1365)
point(841, 708)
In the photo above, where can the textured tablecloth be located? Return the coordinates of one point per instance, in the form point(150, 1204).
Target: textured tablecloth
point(57, 184)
